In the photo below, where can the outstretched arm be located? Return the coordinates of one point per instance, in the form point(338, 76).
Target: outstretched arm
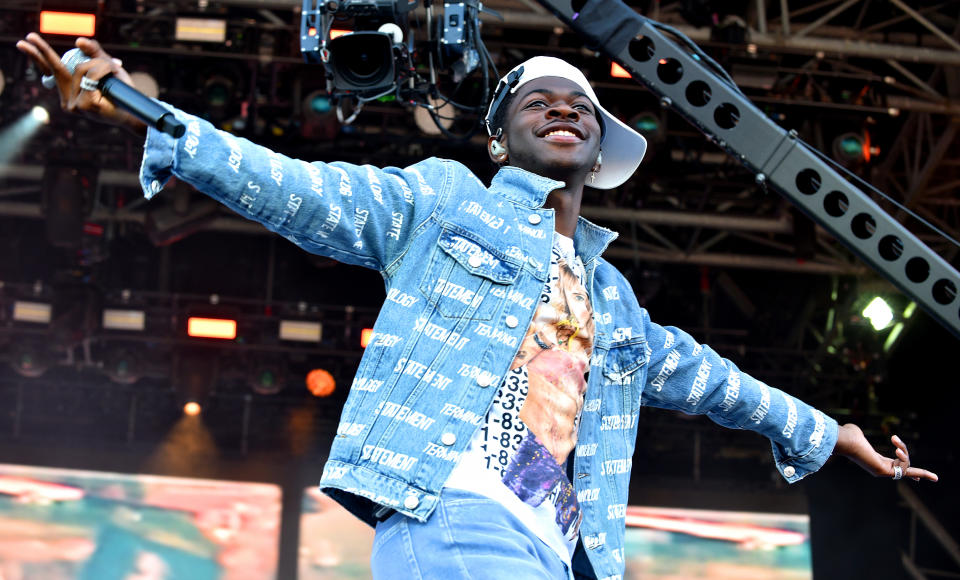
point(852, 444)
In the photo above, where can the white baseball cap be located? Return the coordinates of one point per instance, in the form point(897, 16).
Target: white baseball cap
point(623, 148)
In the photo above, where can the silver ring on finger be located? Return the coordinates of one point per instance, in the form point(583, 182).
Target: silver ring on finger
point(88, 84)
point(897, 472)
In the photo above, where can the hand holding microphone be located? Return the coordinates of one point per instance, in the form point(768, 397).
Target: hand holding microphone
point(92, 82)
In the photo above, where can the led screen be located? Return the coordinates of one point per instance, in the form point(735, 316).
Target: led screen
point(661, 544)
point(87, 525)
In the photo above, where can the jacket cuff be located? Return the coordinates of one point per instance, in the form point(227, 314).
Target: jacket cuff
point(793, 468)
point(159, 151)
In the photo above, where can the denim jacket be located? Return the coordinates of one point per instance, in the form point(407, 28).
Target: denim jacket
point(464, 265)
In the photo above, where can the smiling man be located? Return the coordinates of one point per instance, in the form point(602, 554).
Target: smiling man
point(490, 427)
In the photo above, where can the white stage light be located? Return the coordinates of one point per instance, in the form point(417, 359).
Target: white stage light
point(40, 114)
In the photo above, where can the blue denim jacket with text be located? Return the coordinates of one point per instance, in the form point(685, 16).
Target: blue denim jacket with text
point(464, 265)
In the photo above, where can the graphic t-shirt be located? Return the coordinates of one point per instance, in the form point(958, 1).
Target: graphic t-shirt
point(520, 453)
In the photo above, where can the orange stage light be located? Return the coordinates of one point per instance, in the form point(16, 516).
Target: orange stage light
point(320, 383)
point(72, 23)
point(365, 335)
point(192, 409)
point(335, 32)
point(212, 328)
point(618, 72)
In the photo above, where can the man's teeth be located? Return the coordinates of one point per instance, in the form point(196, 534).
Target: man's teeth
point(561, 132)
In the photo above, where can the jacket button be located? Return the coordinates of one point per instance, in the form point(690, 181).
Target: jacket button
point(448, 438)
point(475, 261)
point(411, 502)
point(533, 218)
point(512, 321)
point(789, 471)
point(484, 379)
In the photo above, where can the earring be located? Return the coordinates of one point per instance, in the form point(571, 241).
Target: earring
point(497, 149)
point(599, 159)
point(593, 177)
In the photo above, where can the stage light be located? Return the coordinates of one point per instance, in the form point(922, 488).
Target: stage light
point(854, 148)
point(221, 328)
point(15, 136)
point(29, 359)
point(365, 335)
point(320, 383)
point(36, 312)
point(879, 314)
point(114, 319)
point(335, 33)
point(145, 83)
point(300, 331)
point(40, 115)
point(123, 365)
point(618, 72)
point(319, 117)
point(200, 30)
point(71, 23)
point(192, 409)
point(425, 121)
point(217, 91)
point(319, 103)
point(649, 125)
point(3, 82)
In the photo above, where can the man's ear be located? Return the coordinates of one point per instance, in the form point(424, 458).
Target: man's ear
point(497, 149)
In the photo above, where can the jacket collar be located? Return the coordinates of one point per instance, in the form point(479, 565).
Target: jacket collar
point(591, 240)
point(529, 189)
point(521, 186)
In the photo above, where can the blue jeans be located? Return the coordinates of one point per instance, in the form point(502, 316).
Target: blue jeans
point(467, 537)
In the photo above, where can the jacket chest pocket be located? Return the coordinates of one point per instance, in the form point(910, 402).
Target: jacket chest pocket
point(461, 273)
point(621, 372)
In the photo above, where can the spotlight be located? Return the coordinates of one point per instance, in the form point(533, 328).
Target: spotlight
point(879, 314)
point(300, 331)
point(319, 116)
point(123, 366)
point(854, 148)
point(29, 360)
point(649, 125)
point(69, 23)
point(425, 121)
point(365, 335)
point(320, 383)
point(40, 115)
point(145, 83)
point(268, 376)
point(37, 312)
point(618, 72)
point(222, 328)
point(116, 319)
point(200, 30)
point(192, 408)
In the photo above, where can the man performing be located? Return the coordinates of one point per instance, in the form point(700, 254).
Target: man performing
point(490, 427)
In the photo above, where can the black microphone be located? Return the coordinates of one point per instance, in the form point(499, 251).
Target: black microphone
point(124, 96)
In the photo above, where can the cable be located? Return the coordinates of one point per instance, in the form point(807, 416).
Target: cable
point(870, 187)
point(697, 53)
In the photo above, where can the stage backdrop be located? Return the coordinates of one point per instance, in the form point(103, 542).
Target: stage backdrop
point(661, 544)
point(68, 524)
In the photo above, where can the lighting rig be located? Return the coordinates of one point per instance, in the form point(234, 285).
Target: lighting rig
point(370, 52)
